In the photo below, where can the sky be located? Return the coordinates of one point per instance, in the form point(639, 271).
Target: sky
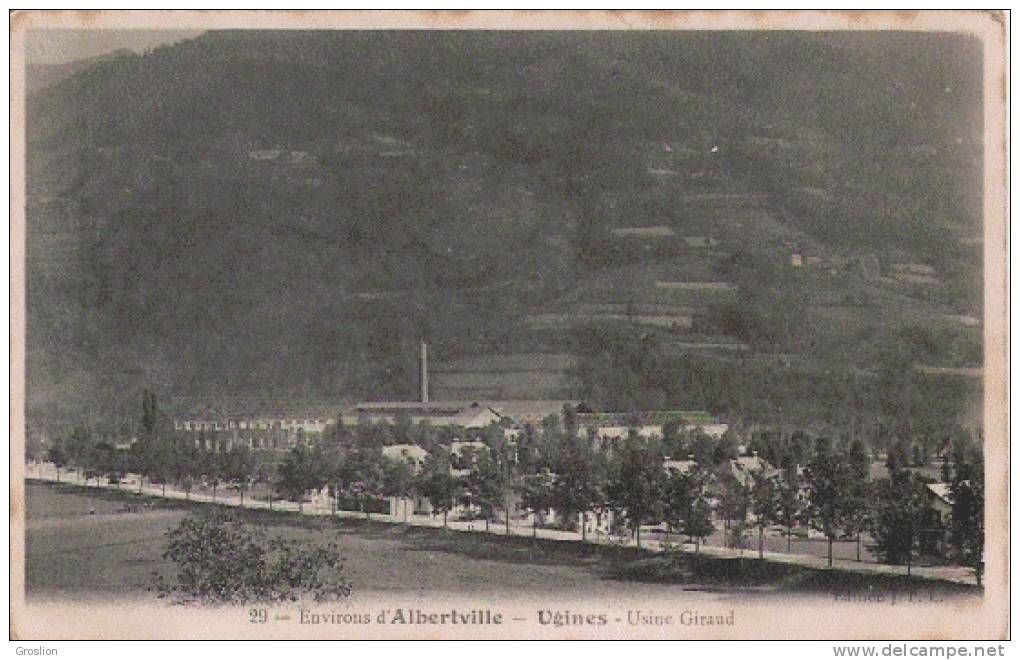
point(60, 46)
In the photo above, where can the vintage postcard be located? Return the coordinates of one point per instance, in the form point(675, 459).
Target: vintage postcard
point(525, 325)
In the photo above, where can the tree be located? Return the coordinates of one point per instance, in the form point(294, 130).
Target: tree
point(833, 493)
point(859, 462)
point(148, 456)
point(239, 468)
point(527, 453)
point(341, 472)
point(550, 439)
point(858, 459)
point(698, 523)
point(213, 468)
point(725, 448)
point(150, 413)
point(537, 495)
point(159, 462)
point(267, 464)
point(424, 435)
point(398, 480)
point(336, 471)
point(338, 434)
point(34, 448)
point(734, 505)
point(109, 462)
point(672, 437)
point(580, 481)
point(898, 517)
point(298, 475)
point(766, 504)
point(401, 428)
point(507, 473)
point(967, 519)
point(676, 498)
point(139, 460)
point(789, 502)
point(186, 464)
point(80, 449)
point(596, 486)
point(483, 484)
point(898, 456)
point(703, 449)
point(57, 454)
point(636, 490)
point(366, 475)
point(436, 482)
point(220, 560)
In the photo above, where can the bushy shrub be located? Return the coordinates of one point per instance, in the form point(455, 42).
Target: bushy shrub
point(220, 560)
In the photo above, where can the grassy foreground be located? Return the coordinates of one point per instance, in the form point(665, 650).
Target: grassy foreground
point(89, 542)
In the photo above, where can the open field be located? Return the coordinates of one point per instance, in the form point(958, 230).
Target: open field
point(112, 552)
point(70, 552)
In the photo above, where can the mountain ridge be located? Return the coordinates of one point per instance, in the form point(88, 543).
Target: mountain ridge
point(205, 216)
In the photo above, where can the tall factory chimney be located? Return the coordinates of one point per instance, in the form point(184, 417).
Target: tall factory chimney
point(423, 371)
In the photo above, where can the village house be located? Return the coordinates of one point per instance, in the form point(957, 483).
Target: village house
point(745, 469)
point(463, 455)
point(656, 231)
point(913, 268)
point(614, 426)
point(937, 518)
point(700, 241)
point(939, 500)
point(674, 465)
point(869, 265)
point(914, 273)
point(414, 456)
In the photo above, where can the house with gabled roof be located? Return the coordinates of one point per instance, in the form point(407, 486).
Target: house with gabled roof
point(413, 455)
point(746, 468)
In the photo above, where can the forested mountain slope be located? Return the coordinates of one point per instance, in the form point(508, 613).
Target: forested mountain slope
point(285, 213)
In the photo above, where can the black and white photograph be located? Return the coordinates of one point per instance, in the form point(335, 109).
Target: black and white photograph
point(448, 326)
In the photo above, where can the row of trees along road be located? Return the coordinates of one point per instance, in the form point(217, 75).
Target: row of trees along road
point(560, 467)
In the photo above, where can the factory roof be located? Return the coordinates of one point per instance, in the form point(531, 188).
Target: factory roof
point(655, 417)
point(522, 411)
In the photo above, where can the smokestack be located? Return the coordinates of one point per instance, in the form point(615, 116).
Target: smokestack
point(423, 371)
